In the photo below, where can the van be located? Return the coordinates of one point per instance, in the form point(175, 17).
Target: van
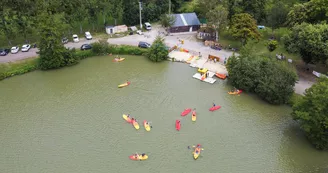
point(148, 26)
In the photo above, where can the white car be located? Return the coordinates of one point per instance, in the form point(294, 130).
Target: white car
point(75, 38)
point(88, 36)
point(14, 49)
point(26, 47)
point(139, 32)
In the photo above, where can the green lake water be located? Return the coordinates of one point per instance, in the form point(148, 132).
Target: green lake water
point(70, 120)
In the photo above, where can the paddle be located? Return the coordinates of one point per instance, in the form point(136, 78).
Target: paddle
point(194, 147)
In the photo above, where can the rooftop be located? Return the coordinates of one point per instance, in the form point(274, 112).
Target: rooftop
point(185, 19)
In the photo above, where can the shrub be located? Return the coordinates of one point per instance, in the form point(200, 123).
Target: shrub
point(158, 51)
point(272, 80)
point(272, 45)
point(17, 68)
point(311, 112)
point(101, 47)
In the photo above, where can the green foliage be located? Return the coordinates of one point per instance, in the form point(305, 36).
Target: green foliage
point(277, 15)
point(310, 41)
point(17, 68)
point(52, 52)
point(272, 45)
point(157, 52)
point(127, 50)
point(167, 20)
point(311, 113)
point(217, 18)
point(244, 27)
point(314, 11)
point(101, 47)
point(271, 80)
point(294, 99)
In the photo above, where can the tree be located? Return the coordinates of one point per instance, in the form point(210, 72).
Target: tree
point(271, 80)
point(8, 25)
point(255, 8)
point(311, 113)
point(217, 18)
point(272, 45)
point(167, 21)
point(204, 6)
point(158, 51)
point(314, 11)
point(310, 41)
point(52, 52)
point(131, 12)
point(244, 27)
point(278, 15)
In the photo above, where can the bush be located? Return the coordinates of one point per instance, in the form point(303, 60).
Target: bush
point(158, 51)
point(294, 99)
point(17, 68)
point(311, 112)
point(101, 47)
point(127, 50)
point(272, 80)
point(272, 45)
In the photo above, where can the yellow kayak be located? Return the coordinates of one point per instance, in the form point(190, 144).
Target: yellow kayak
point(138, 157)
point(196, 153)
point(128, 119)
point(146, 125)
point(135, 125)
point(124, 85)
point(202, 70)
point(193, 116)
point(119, 60)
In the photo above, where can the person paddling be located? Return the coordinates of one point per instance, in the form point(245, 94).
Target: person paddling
point(194, 112)
point(213, 104)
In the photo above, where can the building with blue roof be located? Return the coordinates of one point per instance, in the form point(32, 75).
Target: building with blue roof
point(185, 22)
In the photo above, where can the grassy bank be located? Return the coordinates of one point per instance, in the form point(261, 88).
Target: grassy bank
point(24, 66)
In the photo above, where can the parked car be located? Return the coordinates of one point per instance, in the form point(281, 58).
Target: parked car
point(4, 52)
point(64, 40)
point(143, 44)
point(88, 36)
point(139, 32)
point(86, 47)
point(14, 49)
point(148, 26)
point(26, 47)
point(75, 38)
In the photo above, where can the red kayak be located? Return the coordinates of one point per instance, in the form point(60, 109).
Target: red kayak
point(186, 112)
point(215, 108)
point(177, 125)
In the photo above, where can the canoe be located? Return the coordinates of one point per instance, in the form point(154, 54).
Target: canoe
point(177, 125)
point(138, 157)
point(146, 125)
point(193, 117)
point(215, 108)
point(127, 119)
point(234, 93)
point(202, 70)
point(185, 112)
point(118, 60)
point(135, 124)
point(124, 85)
point(221, 76)
point(197, 152)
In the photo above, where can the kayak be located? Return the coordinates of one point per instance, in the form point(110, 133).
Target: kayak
point(185, 112)
point(177, 125)
point(188, 61)
point(193, 117)
point(127, 119)
point(215, 108)
point(197, 152)
point(234, 93)
point(124, 85)
point(202, 70)
point(146, 125)
point(118, 60)
point(138, 157)
point(221, 76)
point(135, 124)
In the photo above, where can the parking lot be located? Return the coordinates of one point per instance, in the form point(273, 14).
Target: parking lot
point(33, 51)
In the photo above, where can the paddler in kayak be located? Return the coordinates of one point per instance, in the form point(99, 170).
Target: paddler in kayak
point(213, 104)
point(194, 112)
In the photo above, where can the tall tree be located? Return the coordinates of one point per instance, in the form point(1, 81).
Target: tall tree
point(167, 21)
point(217, 18)
point(277, 15)
point(243, 27)
point(311, 112)
point(8, 25)
point(310, 41)
point(255, 8)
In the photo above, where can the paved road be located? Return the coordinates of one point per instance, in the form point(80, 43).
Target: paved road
point(33, 52)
